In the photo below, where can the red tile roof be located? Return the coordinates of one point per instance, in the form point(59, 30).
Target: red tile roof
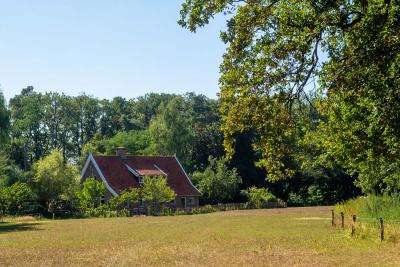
point(119, 178)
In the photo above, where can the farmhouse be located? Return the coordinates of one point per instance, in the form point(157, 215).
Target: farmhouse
point(121, 172)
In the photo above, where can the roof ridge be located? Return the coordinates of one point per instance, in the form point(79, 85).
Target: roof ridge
point(149, 156)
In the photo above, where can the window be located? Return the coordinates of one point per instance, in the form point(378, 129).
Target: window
point(140, 179)
point(141, 202)
point(102, 200)
point(190, 201)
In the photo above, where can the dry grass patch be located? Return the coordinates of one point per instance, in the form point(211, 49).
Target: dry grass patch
point(285, 237)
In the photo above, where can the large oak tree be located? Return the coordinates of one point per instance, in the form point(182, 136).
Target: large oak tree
point(278, 51)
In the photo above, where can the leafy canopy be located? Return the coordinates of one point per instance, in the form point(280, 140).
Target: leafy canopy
point(217, 183)
point(131, 195)
point(15, 199)
point(90, 193)
point(278, 51)
point(54, 178)
point(156, 192)
point(257, 197)
point(170, 130)
point(4, 121)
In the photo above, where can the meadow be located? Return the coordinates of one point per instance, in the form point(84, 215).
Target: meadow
point(273, 237)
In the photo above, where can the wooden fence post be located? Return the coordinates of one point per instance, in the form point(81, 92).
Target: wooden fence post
point(353, 226)
point(333, 218)
point(381, 228)
point(342, 217)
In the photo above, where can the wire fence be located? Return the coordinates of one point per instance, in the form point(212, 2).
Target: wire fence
point(353, 222)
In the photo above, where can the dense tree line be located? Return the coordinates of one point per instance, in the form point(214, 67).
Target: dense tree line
point(44, 122)
point(36, 124)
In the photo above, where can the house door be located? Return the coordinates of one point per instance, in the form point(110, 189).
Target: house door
point(183, 202)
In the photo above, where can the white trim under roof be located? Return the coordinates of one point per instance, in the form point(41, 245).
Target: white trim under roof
point(186, 174)
point(158, 168)
point(91, 159)
point(85, 167)
point(132, 170)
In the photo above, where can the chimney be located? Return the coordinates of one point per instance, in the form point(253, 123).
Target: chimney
point(121, 152)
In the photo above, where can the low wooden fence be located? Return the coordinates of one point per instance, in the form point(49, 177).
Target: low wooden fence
point(243, 206)
point(340, 220)
point(65, 213)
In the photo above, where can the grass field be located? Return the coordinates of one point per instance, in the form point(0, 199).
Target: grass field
point(276, 237)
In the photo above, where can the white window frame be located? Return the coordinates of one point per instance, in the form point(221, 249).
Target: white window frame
point(102, 199)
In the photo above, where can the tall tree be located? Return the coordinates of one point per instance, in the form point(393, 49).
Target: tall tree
point(218, 183)
point(53, 178)
point(28, 135)
point(171, 130)
point(4, 120)
point(276, 49)
point(156, 193)
point(149, 104)
point(90, 194)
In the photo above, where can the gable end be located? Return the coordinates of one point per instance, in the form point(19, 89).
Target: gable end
point(89, 160)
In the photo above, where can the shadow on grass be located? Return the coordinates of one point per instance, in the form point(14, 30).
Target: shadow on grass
point(6, 227)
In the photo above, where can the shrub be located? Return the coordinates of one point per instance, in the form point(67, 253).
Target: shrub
point(368, 209)
point(258, 197)
point(104, 211)
point(130, 195)
point(204, 209)
point(372, 206)
point(295, 200)
point(156, 193)
point(90, 193)
point(315, 195)
point(123, 213)
point(217, 183)
point(16, 199)
point(53, 178)
point(180, 212)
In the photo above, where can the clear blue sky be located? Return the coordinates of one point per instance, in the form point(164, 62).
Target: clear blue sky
point(105, 48)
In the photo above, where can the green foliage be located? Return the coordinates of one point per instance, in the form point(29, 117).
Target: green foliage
point(296, 200)
point(16, 199)
point(156, 193)
point(353, 136)
point(131, 195)
point(170, 130)
point(316, 196)
point(13, 174)
point(3, 164)
point(53, 178)
point(258, 197)
point(217, 183)
point(372, 206)
point(4, 121)
point(135, 143)
point(90, 193)
point(105, 212)
point(204, 209)
point(276, 49)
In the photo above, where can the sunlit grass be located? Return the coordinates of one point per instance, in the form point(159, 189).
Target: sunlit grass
point(286, 237)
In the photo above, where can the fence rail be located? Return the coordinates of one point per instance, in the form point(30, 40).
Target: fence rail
point(379, 222)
